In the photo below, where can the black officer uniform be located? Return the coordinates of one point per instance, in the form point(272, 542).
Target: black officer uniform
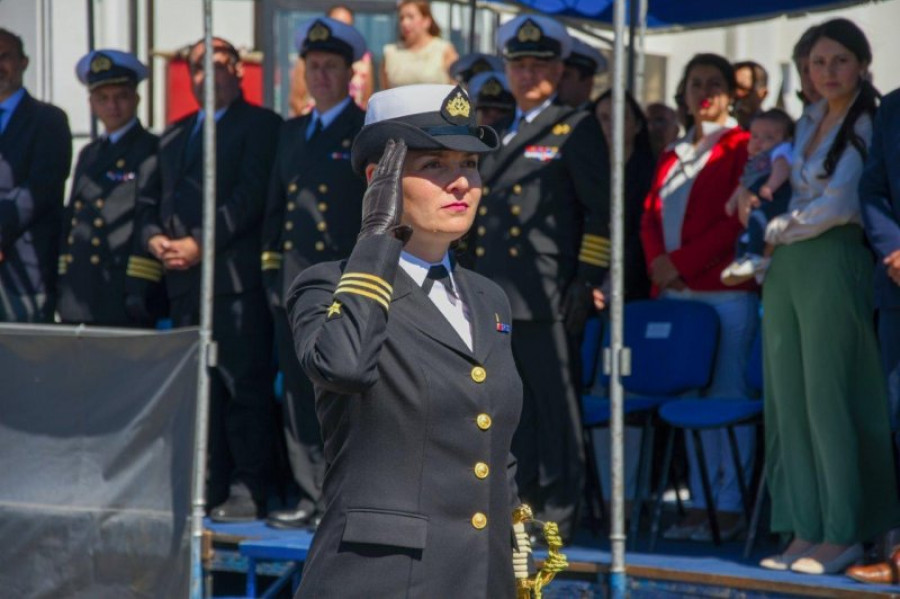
point(101, 263)
point(543, 232)
point(241, 417)
point(417, 425)
point(312, 215)
point(36, 147)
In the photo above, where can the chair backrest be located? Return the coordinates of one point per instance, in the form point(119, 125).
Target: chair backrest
point(673, 346)
point(753, 375)
point(590, 351)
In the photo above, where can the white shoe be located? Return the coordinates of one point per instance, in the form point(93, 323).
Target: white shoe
point(783, 561)
point(851, 555)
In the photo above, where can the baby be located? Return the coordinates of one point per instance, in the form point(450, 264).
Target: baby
point(765, 176)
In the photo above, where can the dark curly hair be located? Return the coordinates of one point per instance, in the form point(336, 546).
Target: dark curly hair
point(849, 35)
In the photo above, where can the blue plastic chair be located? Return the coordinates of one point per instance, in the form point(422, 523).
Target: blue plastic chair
point(673, 348)
point(698, 414)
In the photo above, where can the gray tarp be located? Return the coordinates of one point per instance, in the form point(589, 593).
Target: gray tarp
point(96, 443)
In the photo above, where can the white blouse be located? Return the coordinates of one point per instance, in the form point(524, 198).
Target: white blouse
point(819, 204)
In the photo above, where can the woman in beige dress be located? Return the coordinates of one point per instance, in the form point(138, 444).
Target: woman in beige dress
point(420, 56)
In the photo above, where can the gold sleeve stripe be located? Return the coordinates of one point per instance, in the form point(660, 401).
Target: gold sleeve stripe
point(355, 291)
point(139, 273)
point(62, 266)
point(597, 238)
point(367, 277)
point(595, 243)
point(593, 261)
point(599, 254)
point(362, 285)
point(144, 268)
point(271, 260)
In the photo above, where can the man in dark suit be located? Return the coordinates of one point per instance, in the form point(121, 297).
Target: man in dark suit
point(312, 215)
point(105, 278)
point(35, 157)
point(171, 213)
point(543, 235)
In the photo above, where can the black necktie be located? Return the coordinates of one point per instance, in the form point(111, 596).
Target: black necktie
point(317, 128)
point(438, 273)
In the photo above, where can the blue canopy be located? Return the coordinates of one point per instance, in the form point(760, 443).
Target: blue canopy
point(682, 14)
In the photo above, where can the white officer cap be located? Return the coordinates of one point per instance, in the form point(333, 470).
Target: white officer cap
point(586, 57)
point(490, 90)
point(329, 35)
point(110, 67)
point(469, 65)
point(533, 35)
point(426, 117)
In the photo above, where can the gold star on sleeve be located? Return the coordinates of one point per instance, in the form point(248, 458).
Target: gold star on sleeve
point(334, 309)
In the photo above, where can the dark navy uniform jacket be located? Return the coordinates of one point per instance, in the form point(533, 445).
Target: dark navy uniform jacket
point(314, 206)
point(879, 194)
point(37, 144)
point(417, 431)
point(246, 138)
point(544, 216)
point(101, 260)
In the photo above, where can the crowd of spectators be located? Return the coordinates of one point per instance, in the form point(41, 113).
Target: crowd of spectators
point(791, 229)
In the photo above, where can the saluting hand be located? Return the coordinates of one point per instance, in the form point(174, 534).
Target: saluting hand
point(382, 205)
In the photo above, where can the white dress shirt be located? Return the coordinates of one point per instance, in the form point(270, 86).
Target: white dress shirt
point(449, 303)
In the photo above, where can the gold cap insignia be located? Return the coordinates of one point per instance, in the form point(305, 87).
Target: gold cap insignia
point(529, 32)
point(458, 105)
point(480, 66)
point(101, 63)
point(562, 129)
point(319, 32)
point(492, 88)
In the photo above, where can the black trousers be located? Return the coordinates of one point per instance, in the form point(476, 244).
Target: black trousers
point(548, 443)
point(242, 423)
point(303, 439)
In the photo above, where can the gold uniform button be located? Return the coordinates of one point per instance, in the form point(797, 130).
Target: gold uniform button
point(291, 206)
point(513, 252)
point(479, 252)
point(98, 222)
point(95, 242)
point(515, 210)
point(322, 226)
point(69, 258)
point(482, 230)
point(95, 259)
point(323, 188)
point(322, 206)
point(320, 246)
point(288, 225)
point(120, 163)
point(479, 520)
point(515, 231)
point(71, 240)
point(99, 204)
point(483, 421)
point(74, 221)
point(486, 190)
point(292, 188)
point(479, 374)
point(288, 245)
point(482, 470)
point(78, 205)
point(482, 210)
point(517, 189)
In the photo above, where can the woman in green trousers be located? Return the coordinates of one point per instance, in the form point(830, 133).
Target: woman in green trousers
point(828, 452)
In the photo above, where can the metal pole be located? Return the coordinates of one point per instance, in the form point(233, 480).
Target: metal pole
point(91, 45)
point(150, 16)
point(207, 358)
point(472, 13)
point(618, 353)
point(640, 61)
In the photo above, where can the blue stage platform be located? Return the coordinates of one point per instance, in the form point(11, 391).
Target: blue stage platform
point(677, 570)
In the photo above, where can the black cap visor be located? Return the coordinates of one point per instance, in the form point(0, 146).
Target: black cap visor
point(370, 142)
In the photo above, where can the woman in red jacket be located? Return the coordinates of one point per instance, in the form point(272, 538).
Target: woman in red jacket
point(688, 239)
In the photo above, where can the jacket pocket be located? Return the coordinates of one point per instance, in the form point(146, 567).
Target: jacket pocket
point(382, 527)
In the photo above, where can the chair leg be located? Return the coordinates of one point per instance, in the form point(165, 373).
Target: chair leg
point(663, 481)
point(736, 458)
point(593, 489)
point(707, 489)
point(640, 490)
point(757, 512)
point(251, 577)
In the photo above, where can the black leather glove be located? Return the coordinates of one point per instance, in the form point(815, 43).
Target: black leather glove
point(577, 306)
point(382, 205)
point(136, 308)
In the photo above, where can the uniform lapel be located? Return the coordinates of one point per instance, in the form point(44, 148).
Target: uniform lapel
point(484, 317)
point(415, 306)
point(19, 118)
